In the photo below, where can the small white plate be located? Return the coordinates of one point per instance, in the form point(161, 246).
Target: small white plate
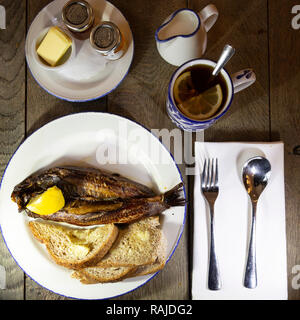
point(88, 76)
point(82, 139)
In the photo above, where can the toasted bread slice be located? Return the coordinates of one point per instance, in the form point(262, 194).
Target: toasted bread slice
point(91, 275)
point(137, 244)
point(158, 264)
point(75, 247)
point(139, 250)
point(148, 269)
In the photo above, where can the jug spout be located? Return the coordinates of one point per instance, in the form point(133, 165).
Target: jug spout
point(182, 23)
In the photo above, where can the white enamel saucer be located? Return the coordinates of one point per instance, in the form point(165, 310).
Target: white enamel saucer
point(88, 76)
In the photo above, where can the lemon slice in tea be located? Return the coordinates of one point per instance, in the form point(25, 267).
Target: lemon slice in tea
point(184, 88)
point(204, 105)
point(48, 202)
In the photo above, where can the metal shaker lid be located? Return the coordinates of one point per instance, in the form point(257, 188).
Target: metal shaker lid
point(78, 16)
point(105, 37)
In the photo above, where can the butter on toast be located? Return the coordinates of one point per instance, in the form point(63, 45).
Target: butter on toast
point(75, 248)
point(139, 250)
point(137, 244)
point(105, 253)
point(158, 264)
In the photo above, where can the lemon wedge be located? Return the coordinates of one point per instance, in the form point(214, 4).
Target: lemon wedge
point(204, 105)
point(49, 202)
point(184, 88)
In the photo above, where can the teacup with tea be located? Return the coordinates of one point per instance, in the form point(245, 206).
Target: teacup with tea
point(196, 99)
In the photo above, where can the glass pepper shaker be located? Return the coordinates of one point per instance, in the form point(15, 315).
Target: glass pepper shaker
point(78, 16)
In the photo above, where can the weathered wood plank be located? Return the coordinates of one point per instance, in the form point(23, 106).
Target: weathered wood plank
point(12, 115)
point(141, 97)
point(285, 119)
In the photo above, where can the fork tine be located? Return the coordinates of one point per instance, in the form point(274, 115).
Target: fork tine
point(208, 174)
point(203, 175)
point(211, 177)
point(216, 174)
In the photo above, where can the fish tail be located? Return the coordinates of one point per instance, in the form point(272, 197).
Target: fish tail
point(175, 196)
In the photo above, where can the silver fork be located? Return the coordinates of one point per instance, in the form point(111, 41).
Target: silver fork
point(210, 190)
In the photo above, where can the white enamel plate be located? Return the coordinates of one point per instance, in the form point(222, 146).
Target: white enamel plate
point(95, 139)
point(88, 76)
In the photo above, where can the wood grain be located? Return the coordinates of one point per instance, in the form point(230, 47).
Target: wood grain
point(285, 118)
point(12, 110)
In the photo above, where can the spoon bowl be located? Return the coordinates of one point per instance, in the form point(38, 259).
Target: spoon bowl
point(256, 173)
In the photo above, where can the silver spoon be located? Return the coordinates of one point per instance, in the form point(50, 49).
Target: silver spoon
point(226, 55)
point(256, 173)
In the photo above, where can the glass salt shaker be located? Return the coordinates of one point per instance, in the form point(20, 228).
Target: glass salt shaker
point(107, 39)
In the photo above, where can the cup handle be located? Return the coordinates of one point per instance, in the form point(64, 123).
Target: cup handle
point(209, 16)
point(243, 79)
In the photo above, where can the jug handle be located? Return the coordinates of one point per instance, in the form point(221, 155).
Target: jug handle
point(209, 16)
point(242, 79)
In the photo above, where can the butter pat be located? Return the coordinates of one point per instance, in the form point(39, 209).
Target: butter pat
point(54, 45)
point(80, 251)
point(143, 235)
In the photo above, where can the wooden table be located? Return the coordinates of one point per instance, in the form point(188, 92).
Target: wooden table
point(262, 33)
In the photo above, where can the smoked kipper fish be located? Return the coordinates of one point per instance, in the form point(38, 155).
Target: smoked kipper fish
point(94, 196)
point(129, 210)
point(79, 183)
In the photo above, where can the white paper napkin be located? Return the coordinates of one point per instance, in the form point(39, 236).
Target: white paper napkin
point(232, 224)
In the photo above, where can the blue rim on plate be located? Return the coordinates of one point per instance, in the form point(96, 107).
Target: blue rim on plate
point(83, 100)
point(181, 229)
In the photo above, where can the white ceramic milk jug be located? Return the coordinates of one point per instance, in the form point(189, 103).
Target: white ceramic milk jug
point(183, 35)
